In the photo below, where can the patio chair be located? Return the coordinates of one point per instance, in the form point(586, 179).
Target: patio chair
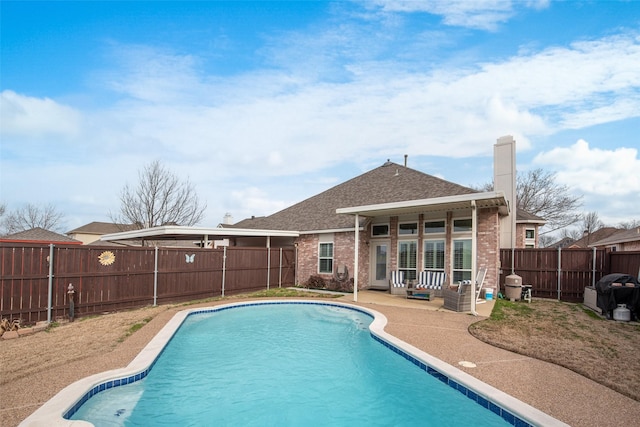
point(432, 280)
point(457, 299)
point(482, 273)
point(397, 284)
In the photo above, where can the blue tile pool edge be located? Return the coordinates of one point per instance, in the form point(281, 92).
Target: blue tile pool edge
point(513, 411)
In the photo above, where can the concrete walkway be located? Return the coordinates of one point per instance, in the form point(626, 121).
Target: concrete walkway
point(557, 391)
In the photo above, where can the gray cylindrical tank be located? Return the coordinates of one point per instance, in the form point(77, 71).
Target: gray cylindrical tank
point(513, 287)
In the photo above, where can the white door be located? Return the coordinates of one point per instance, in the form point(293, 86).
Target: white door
point(379, 265)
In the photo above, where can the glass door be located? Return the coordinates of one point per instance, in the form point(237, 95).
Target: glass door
point(379, 258)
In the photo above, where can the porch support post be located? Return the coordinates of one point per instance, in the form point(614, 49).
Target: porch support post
point(356, 256)
point(474, 254)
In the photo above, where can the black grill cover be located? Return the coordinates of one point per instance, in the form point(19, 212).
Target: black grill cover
point(610, 296)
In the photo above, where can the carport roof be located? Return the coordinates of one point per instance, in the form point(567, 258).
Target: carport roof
point(176, 232)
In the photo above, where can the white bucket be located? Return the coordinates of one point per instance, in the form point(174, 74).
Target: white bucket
point(488, 294)
point(622, 313)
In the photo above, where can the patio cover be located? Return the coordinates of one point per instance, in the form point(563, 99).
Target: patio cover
point(203, 234)
point(471, 201)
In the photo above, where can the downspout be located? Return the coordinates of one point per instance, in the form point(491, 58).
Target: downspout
point(474, 254)
point(355, 261)
point(513, 241)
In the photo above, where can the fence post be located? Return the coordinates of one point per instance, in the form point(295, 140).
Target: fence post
point(50, 290)
point(155, 278)
point(593, 270)
point(224, 266)
point(268, 261)
point(280, 271)
point(559, 272)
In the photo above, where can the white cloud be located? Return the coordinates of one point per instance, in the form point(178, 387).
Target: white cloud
point(252, 201)
point(477, 14)
point(29, 117)
point(594, 171)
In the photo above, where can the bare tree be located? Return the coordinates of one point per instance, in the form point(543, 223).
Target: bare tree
point(591, 223)
point(31, 216)
point(159, 199)
point(538, 193)
point(628, 225)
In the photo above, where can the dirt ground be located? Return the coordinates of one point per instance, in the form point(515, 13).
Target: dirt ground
point(568, 335)
point(607, 352)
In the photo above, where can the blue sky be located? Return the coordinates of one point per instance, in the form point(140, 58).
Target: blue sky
point(264, 104)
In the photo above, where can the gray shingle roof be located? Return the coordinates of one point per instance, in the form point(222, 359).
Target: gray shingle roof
point(524, 216)
point(620, 236)
point(388, 183)
point(40, 235)
point(101, 228)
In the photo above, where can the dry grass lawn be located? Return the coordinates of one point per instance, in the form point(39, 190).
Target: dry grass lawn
point(569, 335)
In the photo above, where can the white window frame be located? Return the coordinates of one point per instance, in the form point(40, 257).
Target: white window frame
point(410, 272)
point(435, 266)
point(326, 239)
point(380, 225)
point(432, 233)
point(469, 230)
point(414, 231)
point(461, 272)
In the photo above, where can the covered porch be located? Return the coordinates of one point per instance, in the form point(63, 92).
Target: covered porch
point(456, 235)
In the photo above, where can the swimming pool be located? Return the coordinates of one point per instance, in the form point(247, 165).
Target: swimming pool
point(235, 384)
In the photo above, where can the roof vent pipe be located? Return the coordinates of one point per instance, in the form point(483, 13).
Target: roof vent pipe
point(406, 156)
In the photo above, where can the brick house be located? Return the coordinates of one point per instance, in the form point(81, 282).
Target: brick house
point(404, 219)
point(621, 240)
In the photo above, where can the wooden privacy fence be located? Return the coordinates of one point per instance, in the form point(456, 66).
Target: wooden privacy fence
point(563, 273)
point(34, 279)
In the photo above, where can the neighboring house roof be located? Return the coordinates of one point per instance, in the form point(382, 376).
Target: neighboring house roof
point(523, 216)
point(388, 183)
point(39, 235)
point(588, 240)
point(101, 228)
point(620, 236)
point(562, 243)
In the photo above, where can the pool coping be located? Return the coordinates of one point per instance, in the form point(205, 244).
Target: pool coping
point(69, 399)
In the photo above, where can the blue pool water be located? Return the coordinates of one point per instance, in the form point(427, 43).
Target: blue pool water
point(283, 364)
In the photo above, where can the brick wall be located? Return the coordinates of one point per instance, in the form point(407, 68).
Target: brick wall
point(489, 245)
point(343, 251)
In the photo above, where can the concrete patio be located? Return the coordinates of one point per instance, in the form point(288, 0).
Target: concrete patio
point(557, 391)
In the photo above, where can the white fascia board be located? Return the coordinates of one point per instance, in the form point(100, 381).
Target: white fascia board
point(333, 230)
point(174, 230)
point(495, 195)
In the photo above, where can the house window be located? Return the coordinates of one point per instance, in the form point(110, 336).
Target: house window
point(325, 258)
point(407, 258)
point(379, 230)
point(530, 233)
point(462, 225)
point(461, 260)
point(433, 227)
point(434, 255)
point(408, 228)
